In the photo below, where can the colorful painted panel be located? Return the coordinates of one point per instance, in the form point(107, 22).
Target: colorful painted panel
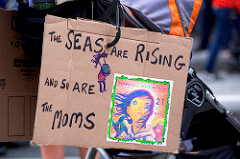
point(139, 110)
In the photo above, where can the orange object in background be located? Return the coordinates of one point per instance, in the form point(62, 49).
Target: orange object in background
point(227, 4)
point(223, 3)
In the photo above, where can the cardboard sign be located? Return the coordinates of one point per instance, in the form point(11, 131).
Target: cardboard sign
point(18, 84)
point(129, 96)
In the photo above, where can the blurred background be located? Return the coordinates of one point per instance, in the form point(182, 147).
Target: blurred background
point(215, 57)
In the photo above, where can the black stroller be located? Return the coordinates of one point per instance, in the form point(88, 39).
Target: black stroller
point(213, 131)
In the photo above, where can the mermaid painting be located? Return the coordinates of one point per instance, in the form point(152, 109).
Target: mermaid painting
point(133, 111)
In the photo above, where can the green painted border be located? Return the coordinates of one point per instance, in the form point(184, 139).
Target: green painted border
point(112, 106)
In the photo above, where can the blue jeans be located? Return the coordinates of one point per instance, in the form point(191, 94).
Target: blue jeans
point(207, 23)
point(222, 35)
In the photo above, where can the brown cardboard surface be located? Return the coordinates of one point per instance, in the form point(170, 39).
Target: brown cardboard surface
point(18, 88)
point(68, 63)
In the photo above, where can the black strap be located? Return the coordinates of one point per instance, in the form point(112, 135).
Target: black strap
point(116, 39)
point(118, 22)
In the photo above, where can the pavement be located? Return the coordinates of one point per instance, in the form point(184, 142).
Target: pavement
point(226, 89)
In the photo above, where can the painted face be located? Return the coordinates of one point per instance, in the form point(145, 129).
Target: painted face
point(138, 107)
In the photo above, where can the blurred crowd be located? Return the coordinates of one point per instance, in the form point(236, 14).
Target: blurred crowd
point(219, 29)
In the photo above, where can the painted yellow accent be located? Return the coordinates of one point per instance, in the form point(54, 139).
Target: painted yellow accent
point(138, 107)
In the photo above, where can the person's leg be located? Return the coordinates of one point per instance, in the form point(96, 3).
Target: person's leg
point(207, 23)
point(82, 152)
point(51, 152)
point(104, 86)
point(222, 32)
point(238, 23)
point(100, 84)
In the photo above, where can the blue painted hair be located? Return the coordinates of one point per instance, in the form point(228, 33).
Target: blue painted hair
point(124, 100)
